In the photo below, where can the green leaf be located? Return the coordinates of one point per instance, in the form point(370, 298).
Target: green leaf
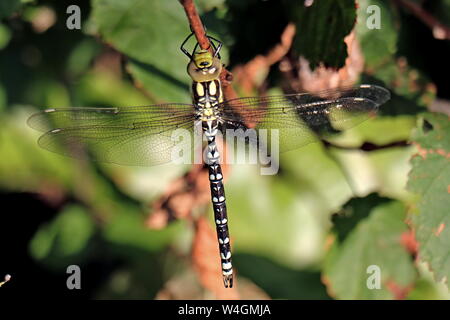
point(376, 240)
point(64, 238)
point(82, 56)
point(104, 89)
point(160, 84)
point(283, 283)
point(27, 166)
point(430, 177)
point(377, 45)
point(411, 90)
point(149, 32)
point(383, 171)
point(426, 288)
point(355, 211)
point(5, 36)
point(379, 131)
point(321, 29)
point(127, 229)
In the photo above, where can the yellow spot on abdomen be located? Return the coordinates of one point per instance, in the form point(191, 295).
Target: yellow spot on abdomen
point(200, 90)
point(212, 88)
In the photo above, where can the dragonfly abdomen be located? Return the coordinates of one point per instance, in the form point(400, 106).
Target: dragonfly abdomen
point(220, 209)
point(220, 213)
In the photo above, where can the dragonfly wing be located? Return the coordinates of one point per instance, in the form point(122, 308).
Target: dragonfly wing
point(140, 136)
point(120, 116)
point(126, 146)
point(293, 121)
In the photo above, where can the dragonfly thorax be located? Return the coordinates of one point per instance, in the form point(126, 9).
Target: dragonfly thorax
point(206, 96)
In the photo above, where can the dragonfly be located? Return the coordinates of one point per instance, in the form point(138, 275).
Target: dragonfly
point(143, 135)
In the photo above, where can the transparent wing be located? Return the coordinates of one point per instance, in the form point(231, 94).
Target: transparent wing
point(298, 119)
point(127, 117)
point(144, 135)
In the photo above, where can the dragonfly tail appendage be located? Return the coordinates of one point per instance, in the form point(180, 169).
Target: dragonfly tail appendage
point(228, 281)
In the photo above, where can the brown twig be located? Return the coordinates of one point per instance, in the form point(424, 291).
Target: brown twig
point(440, 31)
point(196, 23)
point(249, 75)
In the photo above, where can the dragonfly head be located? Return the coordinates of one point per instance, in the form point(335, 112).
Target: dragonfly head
point(204, 66)
point(202, 59)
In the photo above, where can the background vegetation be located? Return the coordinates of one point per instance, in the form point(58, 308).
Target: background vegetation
point(377, 195)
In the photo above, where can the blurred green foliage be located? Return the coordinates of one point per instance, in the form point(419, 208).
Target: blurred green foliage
point(430, 177)
point(373, 241)
point(327, 22)
point(312, 230)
